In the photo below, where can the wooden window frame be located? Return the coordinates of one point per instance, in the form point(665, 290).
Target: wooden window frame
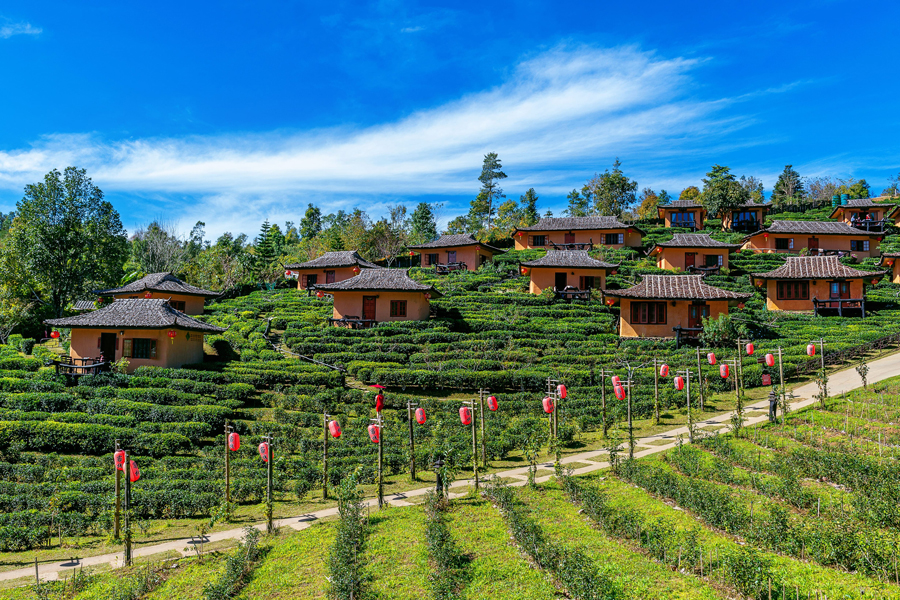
point(789, 243)
point(855, 245)
point(130, 348)
point(398, 308)
point(533, 239)
point(177, 304)
point(792, 290)
point(648, 313)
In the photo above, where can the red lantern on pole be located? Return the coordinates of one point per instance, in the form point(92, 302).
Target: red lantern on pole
point(420, 416)
point(620, 392)
point(119, 460)
point(811, 350)
point(610, 301)
point(356, 269)
point(679, 383)
point(548, 404)
point(750, 349)
point(711, 357)
point(770, 360)
point(562, 391)
point(54, 335)
point(334, 428)
point(412, 253)
point(134, 473)
point(465, 415)
point(379, 402)
point(492, 403)
point(375, 433)
point(664, 371)
point(234, 442)
point(172, 333)
point(320, 294)
point(723, 371)
point(264, 451)
point(615, 380)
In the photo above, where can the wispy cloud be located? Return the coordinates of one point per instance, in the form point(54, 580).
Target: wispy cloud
point(9, 29)
point(564, 110)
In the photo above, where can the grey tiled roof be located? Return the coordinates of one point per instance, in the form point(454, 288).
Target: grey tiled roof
point(676, 287)
point(752, 204)
point(135, 313)
point(578, 223)
point(343, 258)
point(694, 240)
point(453, 240)
point(380, 280)
point(863, 203)
point(813, 227)
point(84, 305)
point(814, 267)
point(681, 204)
point(159, 282)
point(569, 258)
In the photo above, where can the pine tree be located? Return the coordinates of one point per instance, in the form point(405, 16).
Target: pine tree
point(424, 227)
point(484, 206)
point(789, 187)
point(528, 204)
point(578, 205)
point(264, 255)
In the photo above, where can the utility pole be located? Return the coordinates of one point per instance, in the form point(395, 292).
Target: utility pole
point(410, 405)
point(472, 405)
point(116, 530)
point(228, 430)
point(325, 417)
point(270, 442)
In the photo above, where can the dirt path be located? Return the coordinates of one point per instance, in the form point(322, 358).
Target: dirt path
point(838, 383)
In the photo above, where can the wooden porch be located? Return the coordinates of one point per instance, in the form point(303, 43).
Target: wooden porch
point(685, 334)
point(448, 268)
point(869, 225)
point(839, 306)
point(569, 295)
point(352, 322)
point(573, 246)
point(66, 365)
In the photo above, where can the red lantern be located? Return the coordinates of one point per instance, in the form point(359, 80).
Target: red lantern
point(427, 296)
point(172, 333)
point(630, 231)
point(759, 283)
point(613, 272)
point(519, 234)
point(54, 335)
point(811, 350)
point(562, 391)
point(770, 360)
point(767, 380)
point(119, 460)
point(492, 403)
point(234, 442)
point(679, 383)
point(264, 451)
point(135, 473)
point(711, 357)
point(148, 295)
point(412, 253)
point(620, 392)
point(610, 302)
point(420, 416)
point(524, 270)
point(766, 235)
point(615, 380)
point(375, 433)
point(741, 305)
point(548, 404)
point(477, 248)
point(356, 269)
point(750, 349)
point(287, 273)
point(320, 294)
point(890, 262)
point(664, 371)
point(334, 428)
point(875, 281)
point(723, 371)
point(465, 415)
point(379, 402)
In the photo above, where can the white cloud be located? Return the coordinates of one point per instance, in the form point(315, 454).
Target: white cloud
point(557, 113)
point(7, 30)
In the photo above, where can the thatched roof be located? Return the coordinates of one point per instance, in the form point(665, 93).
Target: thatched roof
point(676, 287)
point(455, 240)
point(334, 260)
point(379, 280)
point(135, 313)
point(815, 267)
point(159, 282)
point(574, 259)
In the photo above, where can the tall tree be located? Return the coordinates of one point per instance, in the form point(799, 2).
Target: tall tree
point(459, 224)
point(649, 203)
point(611, 192)
point(528, 205)
point(484, 207)
point(721, 191)
point(691, 192)
point(67, 239)
point(856, 188)
point(423, 227)
point(821, 189)
point(789, 187)
point(158, 248)
point(265, 254)
point(578, 205)
point(311, 223)
point(664, 197)
point(893, 188)
point(755, 190)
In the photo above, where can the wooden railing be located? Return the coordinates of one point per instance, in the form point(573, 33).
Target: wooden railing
point(574, 246)
point(80, 366)
point(573, 294)
point(689, 333)
point(745, 227)
point(869, 225)
point(704, 270)
point(352, 322)
point(841, 304)
point(446, 269)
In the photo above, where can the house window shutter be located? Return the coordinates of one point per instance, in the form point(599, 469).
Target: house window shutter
point(866, 246)
point(621, 238)
point(720, 260)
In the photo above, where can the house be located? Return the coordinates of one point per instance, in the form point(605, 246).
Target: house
point(747, 218)
point(331, 267)
point(863, 213)
point(816, 283)
point(819, 237)
point(379, 295)
point(183, 297)
point(666, 306)
point(692, 252)
point(683, 213)
point(570, 273)
point(457, 251)
point(892, 260)
point(893, 216)
point(147, 332)
point(577, 233)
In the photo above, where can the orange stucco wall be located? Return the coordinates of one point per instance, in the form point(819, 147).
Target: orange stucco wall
point(819, 289)
point(169, 353)
point(340, 274)
point(350, 304)
point(895, 271)
point(465, 254)
point(699, 215)
point(675, 315)
point(673, 258)
point(598, 236)
point(759, 212)
point(193, 305)
point(760, 243)
point(545, 277)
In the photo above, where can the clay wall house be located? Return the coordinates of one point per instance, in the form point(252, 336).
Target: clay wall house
point(818, 237)
point(570, 273)
point(456, 251)
point(683, 213)
point(183, 297)
point(331, 267)
point(691, 252)
point(377, 296)
point(577, 233)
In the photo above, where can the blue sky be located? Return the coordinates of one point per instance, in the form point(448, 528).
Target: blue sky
point(232, 112)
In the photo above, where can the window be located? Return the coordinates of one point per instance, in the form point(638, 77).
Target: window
point(611, 239)
point(538, 240)
point(451, 256)
point(793, 290)
point(177, 304)
point(307, 281)
point(398, 308)
point(329, 276)
point(586, 282)
point(713, 260)
point(683, 218)
point(784, 243)
point(431, 259)
point(650, 313)
point(139, 348)
point(859, 245)
point(744, 216)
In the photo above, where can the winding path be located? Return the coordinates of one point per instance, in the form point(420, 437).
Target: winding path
point(838, 383)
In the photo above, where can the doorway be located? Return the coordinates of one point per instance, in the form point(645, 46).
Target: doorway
point(840, 290)
point(570, 238)
point(108, 343)
point(559, 281)
point(369, 308)
point(813, 245)
point(696, 314)
point(690, 259)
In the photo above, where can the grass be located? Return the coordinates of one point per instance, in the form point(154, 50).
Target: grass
point(294, 568)
point(396, 554)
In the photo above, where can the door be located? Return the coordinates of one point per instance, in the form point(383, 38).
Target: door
point(560, 281)
point(570, 238)
point(689, 259)
point(840, 289)
point(696, 314)
point(329, 276)
point(369, 308)
point(451, 257)
point(813, 245)
point(108, 343)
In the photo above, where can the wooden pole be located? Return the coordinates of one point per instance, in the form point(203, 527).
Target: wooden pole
point(690, 417)
point(127, 511)
point(412, 441)
point(603, 400)
point(781, 373)
point(474, 449)
point(227, 465)
point(699, 380)
point(116, 529)
point(656, 389)
point(481, 394)
point(630, 428)
point(270, 527)
point(324, 456)
point(380, 460)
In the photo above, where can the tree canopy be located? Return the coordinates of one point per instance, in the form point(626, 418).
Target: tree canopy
point(610, 193)
point(722, 192)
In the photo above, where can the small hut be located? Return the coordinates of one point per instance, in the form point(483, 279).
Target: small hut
point(683, 213)
point(692, 252)
point(455, 252)
point(181, 296)
point(331, 267)
point(569, 273)
point(379, 295)
point(577, 233)
point(817, 237)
